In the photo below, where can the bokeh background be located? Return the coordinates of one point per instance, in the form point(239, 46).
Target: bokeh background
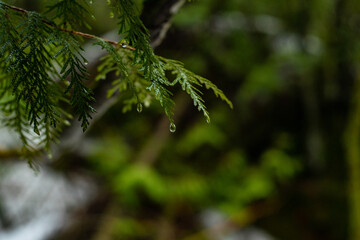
point(283, 164)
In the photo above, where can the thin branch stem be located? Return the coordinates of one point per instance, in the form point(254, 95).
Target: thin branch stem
point(85, 35)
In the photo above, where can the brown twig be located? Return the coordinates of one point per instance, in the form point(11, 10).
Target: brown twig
point(85, 35)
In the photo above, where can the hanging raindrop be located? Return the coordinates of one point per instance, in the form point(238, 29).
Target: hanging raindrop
point(86, 62)
point(111, 14)
point(208, 120)
point(91, 2)
point(172, 127)
point(139, 107)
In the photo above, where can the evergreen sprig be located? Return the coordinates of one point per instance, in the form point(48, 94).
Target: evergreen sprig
point(118, 59)
point(33, 90)
point(34, 96)
point(129, 82)
point(74, 69)
point(71, 13)
point(30, 93)
point(189, 82)
point(152, 69)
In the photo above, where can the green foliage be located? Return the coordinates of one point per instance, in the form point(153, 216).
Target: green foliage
point(189, 80)
point(200, 135)
point(137, 179)
point(72, 13)
point(74, 68)
point(237, 184)
point(120, 62)
point(29, 97)
point(35, 47)
point(152, 69)
point(230, 184)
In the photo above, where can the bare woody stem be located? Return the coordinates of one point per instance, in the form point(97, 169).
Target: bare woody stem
point(85, 35)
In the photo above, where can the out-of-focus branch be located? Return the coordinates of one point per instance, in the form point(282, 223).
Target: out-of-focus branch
point(158, 17)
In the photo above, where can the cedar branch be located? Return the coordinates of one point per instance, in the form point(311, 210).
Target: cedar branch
point(85, 35)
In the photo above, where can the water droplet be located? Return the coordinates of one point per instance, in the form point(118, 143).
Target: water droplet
point(139, 107)
point(172, 127)
point(91, 2)
point(208, 120)
point(123, 45)
point(86, 62)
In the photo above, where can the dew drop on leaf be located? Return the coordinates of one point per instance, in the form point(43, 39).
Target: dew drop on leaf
point(91, 2)
point(86, 62)
point(172, 127)
point(208, 120)
point(139, 107)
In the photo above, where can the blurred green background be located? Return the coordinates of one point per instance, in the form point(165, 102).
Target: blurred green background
point(285, 160)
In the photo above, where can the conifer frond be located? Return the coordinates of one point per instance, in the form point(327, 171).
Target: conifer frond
point(30, 93)
point(209, 85)
point(31, 82)
point(130, 83)
point(189, 80)
point(34, 96)
point(13, 110)
point(29, 98)
point(73, 13)
point(115, 56)
point(164, 97)
point(74, 68)
point(117, 60)
point(141, 88)
point(151, 67)
point(136, 34)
